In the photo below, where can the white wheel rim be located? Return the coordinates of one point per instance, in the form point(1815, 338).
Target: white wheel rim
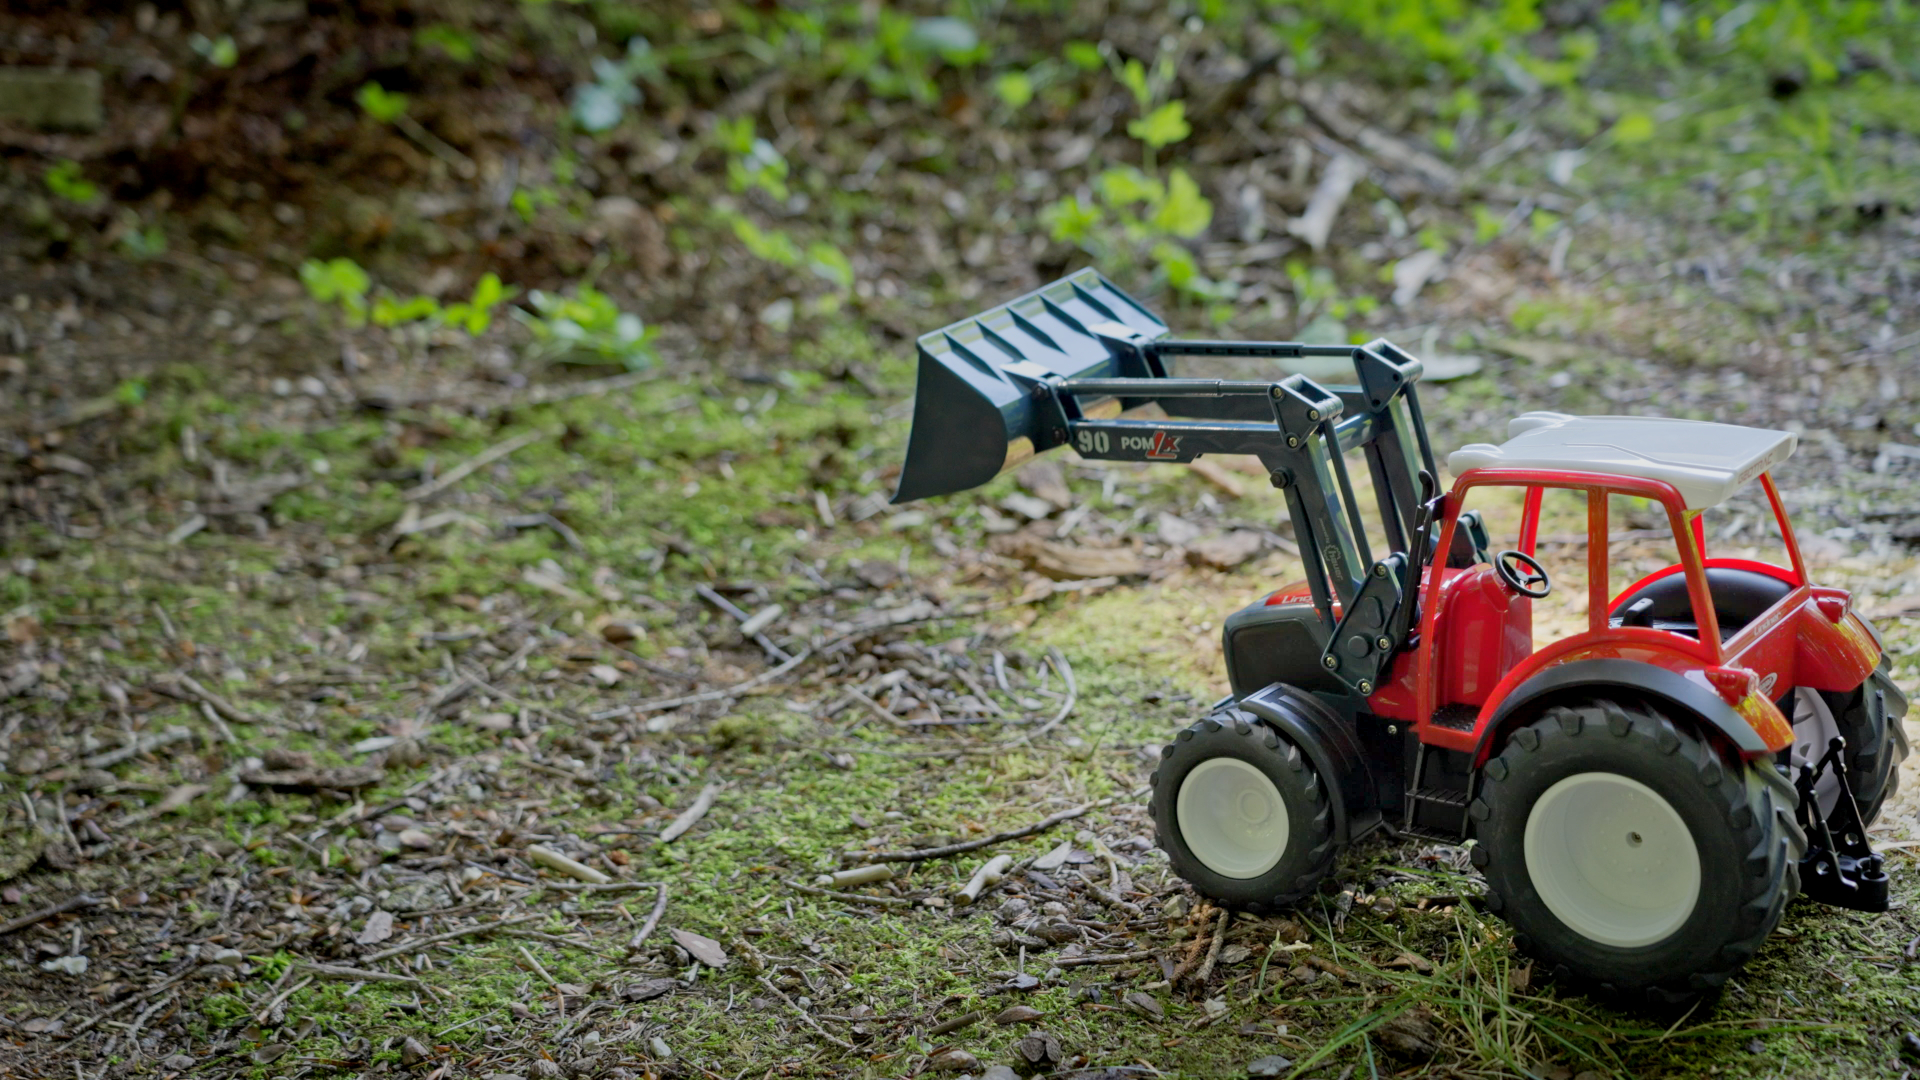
point(1612, 859)
point(1232, 818)
point(1813, 728)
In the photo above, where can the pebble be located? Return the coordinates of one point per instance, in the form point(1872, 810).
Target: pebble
point(178, 1062)
point(953, 1061)
point(1271, 1065)
point(230, 957)
point(999, 1072)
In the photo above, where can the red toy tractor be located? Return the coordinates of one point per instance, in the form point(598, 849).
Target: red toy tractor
point(1643, 796)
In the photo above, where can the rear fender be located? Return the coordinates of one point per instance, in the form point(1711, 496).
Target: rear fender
point(1329, 742)
point(1754, 728)
point(1830, 653)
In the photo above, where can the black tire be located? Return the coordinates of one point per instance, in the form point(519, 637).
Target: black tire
point(1870, 717)
point(1740, 818)
point(1310, 848)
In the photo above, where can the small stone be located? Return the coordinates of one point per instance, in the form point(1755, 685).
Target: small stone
point(999, 1072)
point(1013, 909)
point(270, 1053)
point(1145, 1004)
point(378, 929)
point(1017, 1014)
point(648, 989)
point(1022, 982)
point(232, 958)
point(178, 1062)
point(1235, 954)
point(1176, 908)
point(619, 633)
point(660, 1048)
point(954, 1060)
point(417, 839)
point(493, 721)
point(1411, 1035)
point(412, 1052)
point(543, 1069)
point(1271, 1065)
point(605, 674)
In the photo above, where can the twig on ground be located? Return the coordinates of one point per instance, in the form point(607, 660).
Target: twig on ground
point(142, 745)
point(874, 707)
point(72, 903)
point(922, 854)
point(610, 887)
point(354, 974)
point(188, 688)
point(735, 690)
point(537, 969)
point(1065, 669)
point(751, 626)
point(946, 1027)
point(451, 935)
point(1213, 950)
point(473, 464)
point(266, 1010)
point(653, 919)
point(692, 815)
point(852, 897)
point(553, 860)
point(1101, 958)
point(983, 879)
point(802, 1013)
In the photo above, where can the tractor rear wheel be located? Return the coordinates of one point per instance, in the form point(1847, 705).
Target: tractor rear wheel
point(1241, 813)
point(1871, 719)
point(1626, 851)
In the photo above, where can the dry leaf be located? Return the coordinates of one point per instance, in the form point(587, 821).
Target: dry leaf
point(704, 949)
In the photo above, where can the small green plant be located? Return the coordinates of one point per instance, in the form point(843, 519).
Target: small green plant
point(221, 52)
point(587, 327)
point(474, 315)
point(777, 247)
point(599, 105)
point(392, 310)
point(338, 281)
point(456, 43)
point(147, 243)
point(65, 181)
point(380, 103)
point(755, 162)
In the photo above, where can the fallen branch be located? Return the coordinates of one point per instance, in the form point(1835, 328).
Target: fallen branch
point(1100, 958)
point(1213, 950)
point(142, 745)
point(173, 685)
point(711, 695)
point(72, 903)
point(473, 464)
point(692, 815)
point(354, 974)
point(451, 935)
point(811, 1022)
point(922, 854)
point(852, 897)
point(653, 919)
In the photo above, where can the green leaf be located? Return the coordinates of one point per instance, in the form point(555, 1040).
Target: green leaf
point(388, 311)
point(1124, 185)
point(1014, 88)
point(450, 40)
point(1134, 77)
point(1070, 220)
point(220, 52)
point(597, 107)
point(1084, 55)
point(65, 181)
point(772, 245)
point(1185, 213)
point(1634, 127)
point(1177, 262)
point(380, 104)
point(831, 263)
point(1163, 126)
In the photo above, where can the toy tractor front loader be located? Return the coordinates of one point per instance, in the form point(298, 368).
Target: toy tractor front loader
point(1645, 796)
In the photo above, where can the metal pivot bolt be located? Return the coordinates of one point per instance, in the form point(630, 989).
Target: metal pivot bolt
point(1280, 477)
point(1330, 661)
point(1364, 687)
point(1383, 642)
point(1379, 569)
point(1293, 442)
point(1313, 414)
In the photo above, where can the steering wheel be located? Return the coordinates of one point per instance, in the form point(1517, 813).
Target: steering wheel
point(1523, 574)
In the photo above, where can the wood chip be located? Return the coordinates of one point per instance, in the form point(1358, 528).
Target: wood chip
point(1218, 477)
point(336, 778)
point(378, 929)
point(701, 948)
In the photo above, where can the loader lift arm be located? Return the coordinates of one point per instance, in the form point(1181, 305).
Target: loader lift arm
point(1303, 442)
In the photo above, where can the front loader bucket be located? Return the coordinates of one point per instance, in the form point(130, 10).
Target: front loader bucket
point(974, 409)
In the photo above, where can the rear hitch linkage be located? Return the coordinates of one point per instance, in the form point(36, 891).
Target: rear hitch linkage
point(1839, 867)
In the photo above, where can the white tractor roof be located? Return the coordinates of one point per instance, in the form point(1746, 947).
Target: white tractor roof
point(1706, 462)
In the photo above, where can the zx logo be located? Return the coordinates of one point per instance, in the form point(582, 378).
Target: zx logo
point(1164, 446)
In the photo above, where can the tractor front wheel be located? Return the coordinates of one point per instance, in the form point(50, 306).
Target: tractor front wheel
point(1241, 813)
point(1626, 851)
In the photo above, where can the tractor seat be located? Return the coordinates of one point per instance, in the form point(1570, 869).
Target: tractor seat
point(1739, 597)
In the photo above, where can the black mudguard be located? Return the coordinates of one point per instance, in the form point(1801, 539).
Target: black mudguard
point(1630, 679)
point(1329, 742)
